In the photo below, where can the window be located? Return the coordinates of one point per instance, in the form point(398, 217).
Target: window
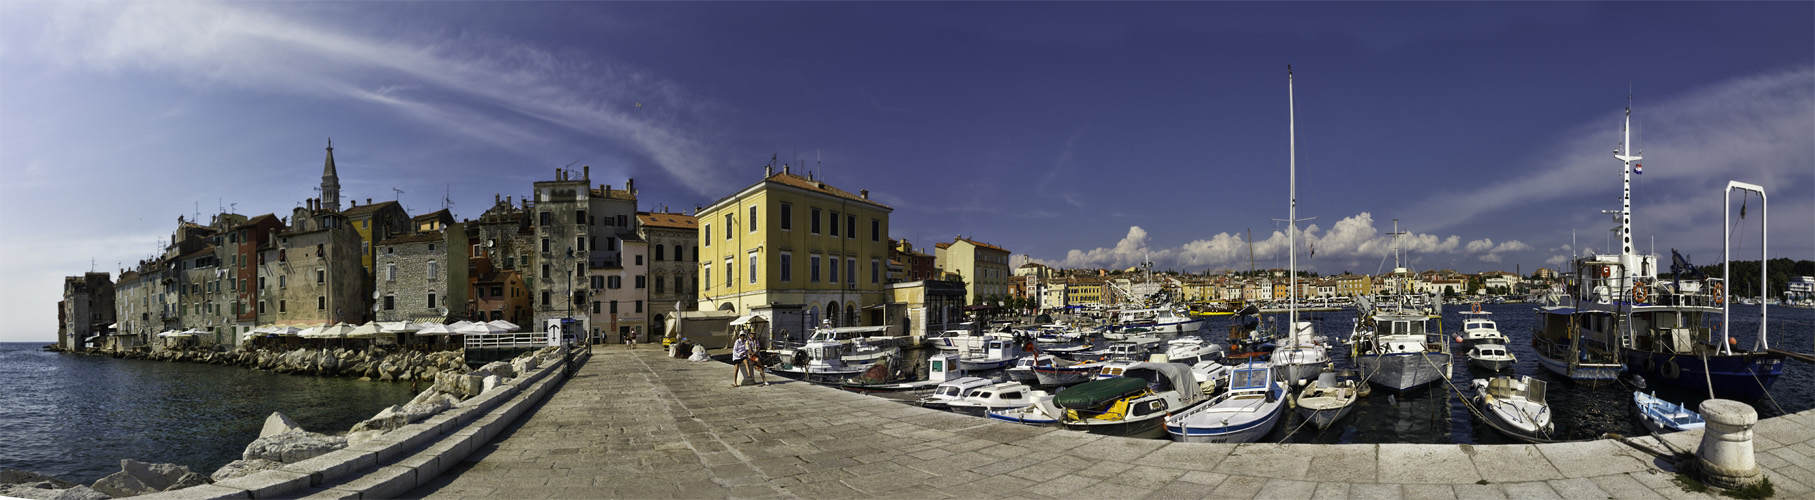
point(787, 216)
point(261, 307)
point(281, 280)
point(545, 299)
point(813, 225)
point(875, 270)
point(390, 302)
point(545, 270)
point(431, 301)
point(834, 225)
point(283, 305)
point(658, 252)
point(431, 247)
point(321, 302)
point(752, 267)
point(579, 217)
point(850, 226)
point(875, 229)
point(611, 244)
point(614, 307)
point(727, 226)
point(498, 291)
point(639, 306)
point(834, 273)
point(851, 270)
point(658, 284)
point(813, 269)
point(580, 243)
point(706, 276)
point(434, 269)
point(595, 307)
point(639, 259)
point(752, 220)
point(614, 282)
point(696, 253)
point(786, 266)
point(475, 250)
point(544, 245)
point(321, 276)
point(622, 221)
point(261, 282)
point(641, 281)
point(390, 272)
point(708, 238)
point(730, 272)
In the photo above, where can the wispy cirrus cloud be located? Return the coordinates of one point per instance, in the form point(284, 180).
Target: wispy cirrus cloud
point(473, 86)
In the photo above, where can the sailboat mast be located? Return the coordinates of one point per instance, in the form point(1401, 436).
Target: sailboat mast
point(1292, 210)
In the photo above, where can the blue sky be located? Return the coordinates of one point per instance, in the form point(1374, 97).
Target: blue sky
point(1077, 134)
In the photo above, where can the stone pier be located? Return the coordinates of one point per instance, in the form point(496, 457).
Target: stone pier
point(637, 424)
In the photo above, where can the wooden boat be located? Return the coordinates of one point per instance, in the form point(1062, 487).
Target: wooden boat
point(1244, 414)
point(1515, 406)
point(1663, 416)
point(1328, 400)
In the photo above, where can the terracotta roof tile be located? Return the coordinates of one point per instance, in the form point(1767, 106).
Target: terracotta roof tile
point(370, 207)
point(793, 180)
point(659, 219)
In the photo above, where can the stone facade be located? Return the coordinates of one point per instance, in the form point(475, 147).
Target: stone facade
point(560, 223)
point(246, 240)
point(983, 266)
point(86, 310)
point(312, 275)
point(501, 245)
point(673, 241)
point(619, 307)
point(423, 277)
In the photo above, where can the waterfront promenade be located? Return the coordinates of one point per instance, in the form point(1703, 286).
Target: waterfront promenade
point(637, 424)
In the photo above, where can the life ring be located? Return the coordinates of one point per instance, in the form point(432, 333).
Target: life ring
point(1606, 271)
point(1719, 293)
point(1670, 371)
point(1639, 293)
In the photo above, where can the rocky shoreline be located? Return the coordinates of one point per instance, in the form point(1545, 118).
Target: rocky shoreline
point(282, 441)
point(370, 364)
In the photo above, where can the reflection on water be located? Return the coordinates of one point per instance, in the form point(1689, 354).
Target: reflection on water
point(75, 417)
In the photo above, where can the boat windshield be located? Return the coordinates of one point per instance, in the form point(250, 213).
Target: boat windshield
point(1253, 378)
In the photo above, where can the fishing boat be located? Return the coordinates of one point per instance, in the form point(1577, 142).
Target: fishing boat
point(1515, 406)
point(1491, 357)
point(1114, 368)
point(1251, 336)
point(1663, 416)
point(1027, 415)
point(1328, 400)
point(1244, 414)
point(1676, 331)
point(1392, 344)
point(833, 358)
point(1477, 329)
point(1064, 372)
point(1133, 405)
point(940, 369)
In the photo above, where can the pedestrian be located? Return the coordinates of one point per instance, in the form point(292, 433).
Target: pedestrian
point(754, 358)
point(740, 350)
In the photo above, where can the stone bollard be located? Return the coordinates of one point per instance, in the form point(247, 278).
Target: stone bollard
point(1725, 456)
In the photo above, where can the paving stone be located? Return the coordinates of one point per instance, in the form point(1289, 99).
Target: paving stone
point(1577, 489)
point(1179, 490)
point(1592, 458)
point(1365, 491)
point(1267, 460)
point(1535, 490)
point(1623, 486)
point(1286, 489)
point(1240, 486)
point(1429, 492)
point(1479, 492)
point(1344, 462)
point(1426, 463)
point(1512, 463)
point(1331, 491)
point(1201, 456)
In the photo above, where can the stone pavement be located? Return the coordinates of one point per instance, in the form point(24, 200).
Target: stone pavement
point(637, 424)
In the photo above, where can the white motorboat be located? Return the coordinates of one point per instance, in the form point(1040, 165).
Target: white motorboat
point(1663, 416)
point(1515, 406)
point(1392, 344)
point(1114, 368)
point(940, 369)
point(1245, 414)
point(1002, 396)
point(1063, 372)
point(953, 390)
point(1028, 415)
point(1328, 400)
point(1491, 356)
point(995, 354)
point(1023, 369)
point(1477, 329)
point(829, 358)
point(1301, 357)
point(1192, 350)
point(1164, 320)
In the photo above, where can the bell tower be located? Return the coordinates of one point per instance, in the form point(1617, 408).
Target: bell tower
point(330, 182)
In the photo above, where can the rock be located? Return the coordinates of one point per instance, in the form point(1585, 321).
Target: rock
point(80, 492)
point(15, 476)
point(122, 484)
point(277, 423)
point(190, 479)
point(292, 447)
point(158, 477)
point(501, 369)
point(492, 382)
point(239, 468)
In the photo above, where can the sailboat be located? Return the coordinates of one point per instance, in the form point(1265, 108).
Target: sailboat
point(1302, 357)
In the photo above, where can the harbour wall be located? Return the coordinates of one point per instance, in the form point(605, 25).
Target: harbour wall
point(374, 364)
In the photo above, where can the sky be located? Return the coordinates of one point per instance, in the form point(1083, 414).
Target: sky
point(1073, 134)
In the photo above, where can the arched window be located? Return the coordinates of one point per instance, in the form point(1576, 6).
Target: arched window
point(658, 251)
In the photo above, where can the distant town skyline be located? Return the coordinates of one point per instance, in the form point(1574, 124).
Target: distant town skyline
point(1077, 135)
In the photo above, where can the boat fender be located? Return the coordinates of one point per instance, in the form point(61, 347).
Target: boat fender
point(1670, 370)
point(1272, 396)
point(1650, 365)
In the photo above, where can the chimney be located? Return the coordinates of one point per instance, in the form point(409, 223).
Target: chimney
point(495, 198)
point(355, 202)
point(864, 192)
point(557, 173)
point(784, 169)
point(809, 175)
point(769, 170)
point(586, 172)
point(631, 186)
point(368, 201)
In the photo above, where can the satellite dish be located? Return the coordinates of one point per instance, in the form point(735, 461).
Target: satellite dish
point(443, 311)
point(376, 307)
point(490, 243)
point(375, 295)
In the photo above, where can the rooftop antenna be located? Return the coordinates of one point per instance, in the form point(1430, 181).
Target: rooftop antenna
point(446, 196)
point(396, 194)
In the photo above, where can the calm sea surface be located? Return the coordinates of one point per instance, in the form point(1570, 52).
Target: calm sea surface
point(1436, 414)
point(74, 416)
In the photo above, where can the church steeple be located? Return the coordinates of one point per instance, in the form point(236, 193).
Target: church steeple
point(330, 182)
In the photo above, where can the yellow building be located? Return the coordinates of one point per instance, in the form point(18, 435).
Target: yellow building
point(376, 222)
point(1084, 292)
point(1350, 285)
point(791, 240)
point(983, 266)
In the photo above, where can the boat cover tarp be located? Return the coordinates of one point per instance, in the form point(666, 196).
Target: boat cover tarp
point(1095, 393)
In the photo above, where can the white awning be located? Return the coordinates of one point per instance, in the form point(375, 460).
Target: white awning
point(748, 318)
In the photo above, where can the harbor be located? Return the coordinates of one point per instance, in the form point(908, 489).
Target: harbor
point(678, 432)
